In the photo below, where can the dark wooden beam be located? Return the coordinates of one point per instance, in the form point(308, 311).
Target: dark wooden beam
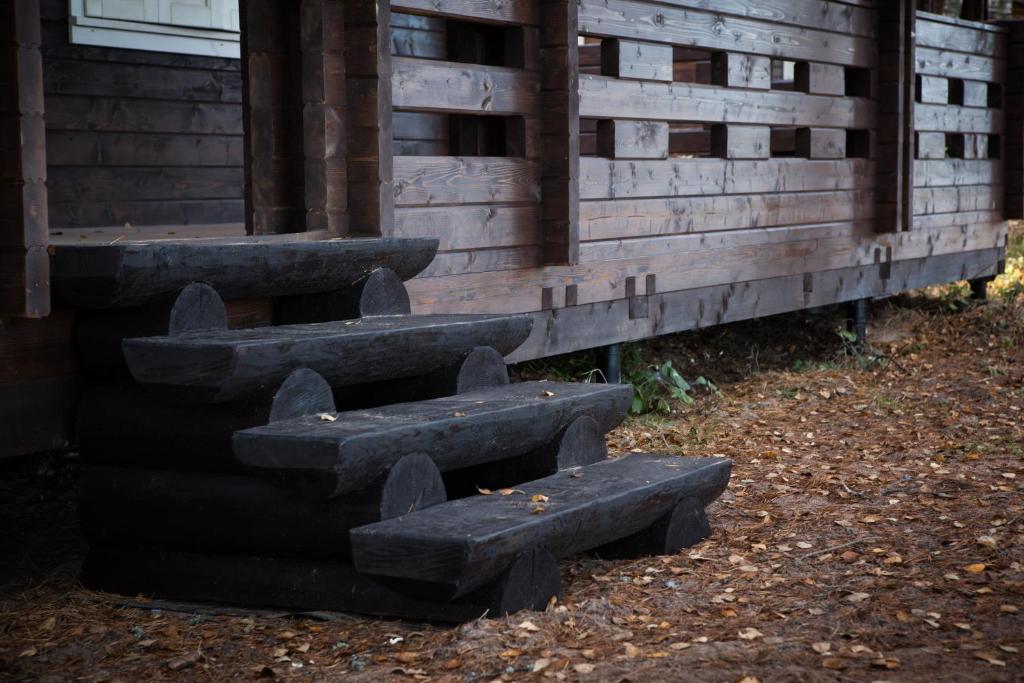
point(24, 224)
point(1013, 102)
point(560, 133)
point(368, 80)
point(324, 122)
point(896, 97)
point(272, 117)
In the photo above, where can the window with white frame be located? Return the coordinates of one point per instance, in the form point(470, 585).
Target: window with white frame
point(198, 27)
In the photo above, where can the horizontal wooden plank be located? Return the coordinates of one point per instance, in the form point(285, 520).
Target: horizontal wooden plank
point(73, 112)
point(586, 326)
point(957, 172)
point(425, 181)
point(937, 62)
point(602, 97)
point(839, 17)
point(97, 79)
point(713, 30)
point(974, 41)
point(434, 86)
point(636, 218)
point(95, 184)
point(83, 148)
point(154, 212)
point(604, 179)
point(505, 12)
point(937, 117)
point(484, 261)
point(966, 221)
point(520, 291)
point(471, 227)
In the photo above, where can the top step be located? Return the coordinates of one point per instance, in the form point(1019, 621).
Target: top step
point(134, 273)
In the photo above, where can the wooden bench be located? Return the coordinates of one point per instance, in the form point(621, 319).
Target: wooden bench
point(215, 365)
point(454, 548)
point(134, 273)
point(326, 458)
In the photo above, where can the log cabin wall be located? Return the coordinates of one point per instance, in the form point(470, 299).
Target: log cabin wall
point(731, 165)
point(145, 138)
point(960, 123)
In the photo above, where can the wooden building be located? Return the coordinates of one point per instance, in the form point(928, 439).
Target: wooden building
point(618, 168)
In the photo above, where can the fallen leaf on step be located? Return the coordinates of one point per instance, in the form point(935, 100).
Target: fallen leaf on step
point(483, 491)
point(327, 417)
point(539, 498)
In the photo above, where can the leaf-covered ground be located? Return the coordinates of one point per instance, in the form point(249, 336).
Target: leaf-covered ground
point(873, 530)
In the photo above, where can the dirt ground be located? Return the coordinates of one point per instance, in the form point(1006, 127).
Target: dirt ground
point(872, 531)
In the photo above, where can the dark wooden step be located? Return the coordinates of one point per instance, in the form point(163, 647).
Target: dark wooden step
point(224, 365)
point(133, 273)
point(453, 548)
point(307, 585)
point(329, 458)
point(238, 514)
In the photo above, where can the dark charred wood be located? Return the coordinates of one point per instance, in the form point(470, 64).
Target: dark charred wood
point(120, 423)
point(581, 443)
point(308, 585)
point(380, 293)
point(686, 525)
point(135, 273)
point(483, 367)
point(460, 545)
point(241, 514)
point(198, 307)
point(218, 366)
point(322, 459)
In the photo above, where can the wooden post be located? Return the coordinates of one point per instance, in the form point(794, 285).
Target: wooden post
point(368, 79)
point(896, 95)
point(323, 115)
point(1013, 102)
point(560, 132)
point(272, 117)
point(24, 224)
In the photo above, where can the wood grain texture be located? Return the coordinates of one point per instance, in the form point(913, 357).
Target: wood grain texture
point(436, 86)
point(581, 327)
point(462, 544)
point(602, 97)
point(560, 131)
point(324, 459)
point(24, 221)
point(133, 273)
point(233, 364)
point(713, 30)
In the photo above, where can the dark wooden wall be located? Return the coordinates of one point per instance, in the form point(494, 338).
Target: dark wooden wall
point(145, 138)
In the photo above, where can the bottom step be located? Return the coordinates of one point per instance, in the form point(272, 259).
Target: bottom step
point(310, 586)
point(453, 548)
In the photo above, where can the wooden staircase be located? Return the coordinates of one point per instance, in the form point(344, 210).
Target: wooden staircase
point(350, 457)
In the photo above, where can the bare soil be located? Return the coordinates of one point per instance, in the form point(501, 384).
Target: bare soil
point(873, 530)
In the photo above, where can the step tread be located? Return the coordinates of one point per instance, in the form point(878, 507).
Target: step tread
point(476, 427)
point(221, 365)
point(464, 542)
point(133, 273)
